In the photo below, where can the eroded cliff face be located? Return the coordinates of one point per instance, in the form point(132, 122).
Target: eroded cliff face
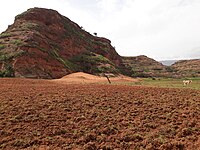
point(41, 43)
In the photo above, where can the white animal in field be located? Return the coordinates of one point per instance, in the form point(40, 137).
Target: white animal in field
point(186, 82)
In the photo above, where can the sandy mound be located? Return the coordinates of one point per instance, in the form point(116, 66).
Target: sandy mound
point(81, 77)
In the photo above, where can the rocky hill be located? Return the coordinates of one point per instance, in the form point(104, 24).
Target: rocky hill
point(143, 66)
point(44, 44)
point(187, 68)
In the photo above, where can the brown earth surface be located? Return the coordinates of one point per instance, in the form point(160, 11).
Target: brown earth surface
point(48, 115)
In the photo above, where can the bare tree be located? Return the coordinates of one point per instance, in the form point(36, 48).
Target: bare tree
point(107, 78)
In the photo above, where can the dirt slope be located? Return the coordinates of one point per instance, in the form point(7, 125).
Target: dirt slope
point(46, 115)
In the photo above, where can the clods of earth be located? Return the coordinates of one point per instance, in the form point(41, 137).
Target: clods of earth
point(48, 115)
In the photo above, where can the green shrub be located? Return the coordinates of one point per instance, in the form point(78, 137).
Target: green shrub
point(110, 69)
point(170, 69)
point(29, 26)
point(8, 71)
point(140, 74)
point(2, 46)
point(65, 62)
point(93, 63)
point(4, 35)
point(8, 56)
point(3, 57)
point(17, 42)
point(92, 58)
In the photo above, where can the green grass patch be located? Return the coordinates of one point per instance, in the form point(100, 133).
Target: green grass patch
point(171, 83)
point(165, 83)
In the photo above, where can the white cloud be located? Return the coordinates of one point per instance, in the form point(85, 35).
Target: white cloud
point(162, 29)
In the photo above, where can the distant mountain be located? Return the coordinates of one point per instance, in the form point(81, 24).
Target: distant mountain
point(168, 62)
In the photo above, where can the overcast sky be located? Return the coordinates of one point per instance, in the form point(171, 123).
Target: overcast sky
point(160, 29)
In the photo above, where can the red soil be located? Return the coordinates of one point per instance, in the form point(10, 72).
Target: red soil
point(41, 114)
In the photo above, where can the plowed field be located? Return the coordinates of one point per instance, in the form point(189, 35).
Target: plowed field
point(41, 114)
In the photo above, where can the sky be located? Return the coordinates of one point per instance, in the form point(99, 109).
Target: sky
point(160, 29)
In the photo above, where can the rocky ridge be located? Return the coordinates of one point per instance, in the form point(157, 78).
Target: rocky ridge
point(187, 68)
